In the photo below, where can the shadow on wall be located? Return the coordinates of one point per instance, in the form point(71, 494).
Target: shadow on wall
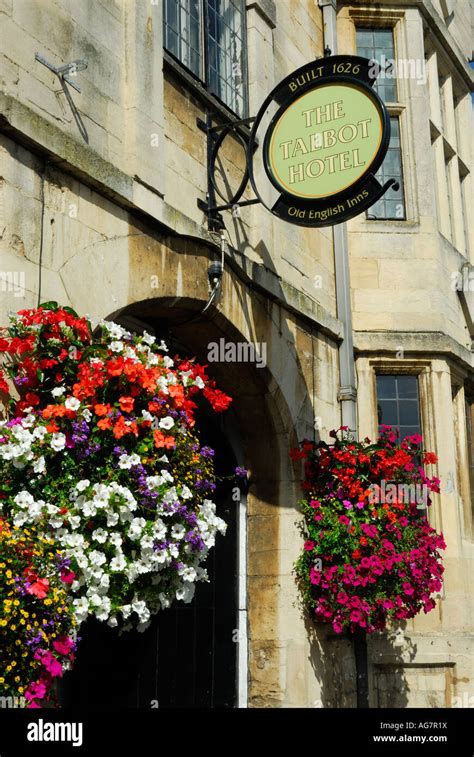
point(333, 662)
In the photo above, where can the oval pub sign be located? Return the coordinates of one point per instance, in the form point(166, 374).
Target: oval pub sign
point(328, 134)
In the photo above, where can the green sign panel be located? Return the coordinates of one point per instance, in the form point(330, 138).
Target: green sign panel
point(324, 141)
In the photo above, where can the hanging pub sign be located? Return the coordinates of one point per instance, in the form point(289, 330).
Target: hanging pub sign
point(325, 134)
point(315, 144)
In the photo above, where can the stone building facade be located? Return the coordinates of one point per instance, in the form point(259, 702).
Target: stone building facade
point(99, 209)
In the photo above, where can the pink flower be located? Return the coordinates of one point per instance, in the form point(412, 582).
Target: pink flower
point(36, 690)
point(63, 645)
point(356, 616)
point(344, 520)
point(51, 664)
point(342, 598)
point(67, 576)
point(388, 604)
point(408, 589)
point(347, 504)
point(338, 628)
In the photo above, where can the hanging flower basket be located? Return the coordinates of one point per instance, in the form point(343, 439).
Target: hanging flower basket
point(99, 454)
point(37, 622)
point(370, 555)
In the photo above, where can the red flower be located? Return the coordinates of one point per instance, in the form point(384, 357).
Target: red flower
point(115, 367)
point(163, 441)
point(126, 404)
point(39, 588)
point(101, 410)
point(3, 384)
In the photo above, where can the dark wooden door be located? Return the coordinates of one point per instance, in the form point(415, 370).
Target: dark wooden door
point(187, 657)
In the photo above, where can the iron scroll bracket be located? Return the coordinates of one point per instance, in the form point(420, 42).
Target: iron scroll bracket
point(216, 134)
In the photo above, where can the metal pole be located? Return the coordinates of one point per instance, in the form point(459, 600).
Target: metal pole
point(347, 387)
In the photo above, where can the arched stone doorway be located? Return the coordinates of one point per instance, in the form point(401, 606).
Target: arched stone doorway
point(188, 656)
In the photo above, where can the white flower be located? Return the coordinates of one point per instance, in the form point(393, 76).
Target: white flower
point(163, 346)
point(188, 574)
point(126, 611)
point(178, 531)
point(104, 583)
point(86, 414)
point(159, 530)
point(148, 338)
point(199, 382)
point(96, 557)
point(186, 493)
point(96, 600)
point(58, 391)
point(164, 601)
point(127, 461)
point(102, 613)
point(118, 562)
point(23, 499)
point(115, 539)
point(186, 593)
point(19, 519)
point(82, 484)
point(58, 441)
point(136, 527)
point(162, 384)
point(116, 346)
point(139, 606)
point(112, 519)
point(147, 416)
point(81, 608)
point(40, 465)
point(72, 403)
point(166, 423)
point(40, 432)
point(100, 535)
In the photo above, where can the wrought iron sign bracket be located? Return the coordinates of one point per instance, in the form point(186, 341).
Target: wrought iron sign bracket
point(216, 134)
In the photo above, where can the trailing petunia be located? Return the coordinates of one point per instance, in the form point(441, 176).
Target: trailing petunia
point(370, 554)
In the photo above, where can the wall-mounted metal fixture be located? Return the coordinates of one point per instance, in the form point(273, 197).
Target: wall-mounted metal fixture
point(65, 72)
point(216, 135)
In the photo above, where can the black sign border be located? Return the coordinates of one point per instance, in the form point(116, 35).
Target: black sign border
point(285, 97)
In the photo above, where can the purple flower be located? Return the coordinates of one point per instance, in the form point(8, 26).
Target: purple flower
point(207, 452)
point(241, 472)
